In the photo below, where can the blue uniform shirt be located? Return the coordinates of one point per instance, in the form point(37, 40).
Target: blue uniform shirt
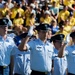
point(71, 58)
point(22, 62)
point(41, 55)
point(6, 50)
point(60, 64)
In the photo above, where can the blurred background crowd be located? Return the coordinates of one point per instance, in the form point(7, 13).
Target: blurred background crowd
point(59, 14)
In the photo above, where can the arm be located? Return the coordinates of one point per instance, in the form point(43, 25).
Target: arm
point(71, 8)
point(61, 51)
point(22, 46)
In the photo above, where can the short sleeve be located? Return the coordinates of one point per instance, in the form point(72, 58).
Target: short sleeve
point(30, 44)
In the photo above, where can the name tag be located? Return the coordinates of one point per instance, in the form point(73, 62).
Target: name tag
point(39, 48)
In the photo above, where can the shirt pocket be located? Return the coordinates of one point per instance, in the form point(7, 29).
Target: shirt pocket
point(50, 53)
point(19, 58)
point(73, 55)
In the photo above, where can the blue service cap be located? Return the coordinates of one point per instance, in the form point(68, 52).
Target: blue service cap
point(72, 34)
point(59, 37)
point(42, 27)
point(4, 22)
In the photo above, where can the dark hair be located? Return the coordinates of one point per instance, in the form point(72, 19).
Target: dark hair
point(31, 15)
point(17, 15)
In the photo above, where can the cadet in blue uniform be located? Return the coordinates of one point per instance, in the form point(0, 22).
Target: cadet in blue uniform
point(22, 62)
point(59, 64)
point(21, 58)
point(6, 47)
point(41, 51)
point(70, 54)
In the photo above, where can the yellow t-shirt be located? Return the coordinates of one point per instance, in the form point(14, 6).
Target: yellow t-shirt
point(68, 2)
point(67, 28)
point(4, 11)
point(27, 14)
point(72, 21)
point(14, 12)
point(21, 11)
point(18, 22)
point(46, 20)
point(30, 21)
point(63, 15)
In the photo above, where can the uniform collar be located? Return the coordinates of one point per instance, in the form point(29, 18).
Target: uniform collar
point(43, 42)
point(1, 38)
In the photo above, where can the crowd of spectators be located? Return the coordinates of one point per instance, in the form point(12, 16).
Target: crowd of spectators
point(23, 14)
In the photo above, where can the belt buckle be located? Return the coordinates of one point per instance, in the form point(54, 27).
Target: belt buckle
point(46, 72)
point(4, 66)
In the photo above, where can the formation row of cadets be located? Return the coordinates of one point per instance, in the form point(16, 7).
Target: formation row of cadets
point(58, 62)
point(42, 53)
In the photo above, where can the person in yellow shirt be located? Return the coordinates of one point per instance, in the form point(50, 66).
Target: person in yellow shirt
point(61, 30)
point(20, 10)
point(27, 12)
point(71, 19)
point(5, 9)
point(67, 26)
point(47, 18)
point(69, 3)
point(30, 20)
point(63, 14)
point(18, 21)
point(13, 11)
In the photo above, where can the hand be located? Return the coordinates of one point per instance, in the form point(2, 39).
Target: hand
point(30, 32)
point(67, 40)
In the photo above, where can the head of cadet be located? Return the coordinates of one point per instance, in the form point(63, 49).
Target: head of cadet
point(44, 27)
point(72, 35)
point(4, 22)
point(58, 38)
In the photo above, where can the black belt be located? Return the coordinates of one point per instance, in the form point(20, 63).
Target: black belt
point(3, 67)
point(17, 74)
point(71, 74)
point(40, 73)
